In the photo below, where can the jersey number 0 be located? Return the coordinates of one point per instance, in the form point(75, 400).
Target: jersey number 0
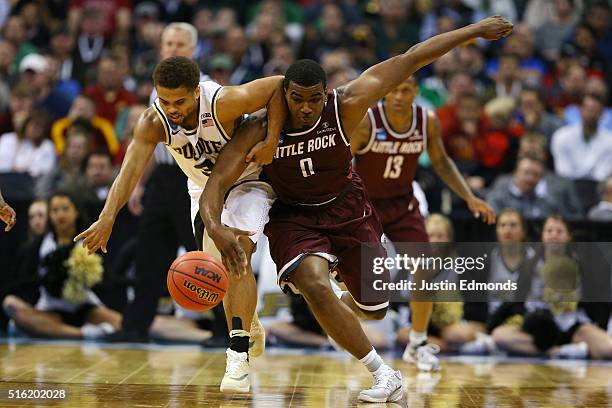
point(307, 168)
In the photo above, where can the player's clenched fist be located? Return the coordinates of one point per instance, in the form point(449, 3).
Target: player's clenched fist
point(494, 28)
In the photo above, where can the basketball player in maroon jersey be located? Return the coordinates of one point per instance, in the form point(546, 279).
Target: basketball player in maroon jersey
point(322, 216)
point(387, 145)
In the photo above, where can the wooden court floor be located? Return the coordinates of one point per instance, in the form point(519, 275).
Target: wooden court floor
point(164, 376)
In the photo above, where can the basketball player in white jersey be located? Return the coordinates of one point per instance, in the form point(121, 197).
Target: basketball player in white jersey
point(195, 120)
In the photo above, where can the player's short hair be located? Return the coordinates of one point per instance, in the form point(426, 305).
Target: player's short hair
point(305, 72)
point(177, 72)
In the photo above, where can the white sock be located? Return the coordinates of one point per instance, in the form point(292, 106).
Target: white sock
point(417, 338)
point(372, 361)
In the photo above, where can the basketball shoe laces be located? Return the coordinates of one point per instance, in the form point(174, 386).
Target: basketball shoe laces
point(381, 380)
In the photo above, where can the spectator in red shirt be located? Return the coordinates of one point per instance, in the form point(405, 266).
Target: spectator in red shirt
point(115, 15)
point(109, 94)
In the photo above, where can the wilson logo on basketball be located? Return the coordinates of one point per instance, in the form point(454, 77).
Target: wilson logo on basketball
point(205, 273)
point(202, 293)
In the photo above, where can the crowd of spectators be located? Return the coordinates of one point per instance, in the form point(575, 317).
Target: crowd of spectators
point(527, 119)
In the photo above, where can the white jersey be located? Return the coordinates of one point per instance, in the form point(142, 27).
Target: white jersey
point(196, 150)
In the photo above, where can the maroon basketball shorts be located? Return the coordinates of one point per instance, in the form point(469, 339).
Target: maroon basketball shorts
point(401, 219)
point(347, 233)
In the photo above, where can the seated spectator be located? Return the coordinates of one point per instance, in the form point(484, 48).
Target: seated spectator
point(472, 60)
point(7, 77)
point(553, 21)
point(29, 150)
point(603, 211)
point(14, 31)
point(560, 189)
point(70, 168)
point(84, 109)
point(557, 324)
point(220, 69)
point(584, 151)
point(65, 308)
point(533, 116)
point(521, 193)
point(38, 218)
point(99, 176)
point(598, 17)
point(436, 88)
point(21, 103)
point(461, 125)
point(36, 71)
point(508, 78)
point(594, 86)
point(125, 129)
point(63, 50)
point(109, 94)
point(502, 136)
point(585, 43)
point(568, 86)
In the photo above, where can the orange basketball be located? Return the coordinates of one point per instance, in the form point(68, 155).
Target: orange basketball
point(197, 281)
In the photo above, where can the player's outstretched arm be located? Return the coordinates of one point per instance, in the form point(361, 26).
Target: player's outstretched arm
point(235, 101)
point(229, 166)
point(448, 172)
point(148, 132)
point(7, 214)
point(377, 81)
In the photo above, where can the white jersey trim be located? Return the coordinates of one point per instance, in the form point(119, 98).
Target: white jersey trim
point(337, 112)
point(388, 127)
point(214, 115)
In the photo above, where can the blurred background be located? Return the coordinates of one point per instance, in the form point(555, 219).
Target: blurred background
point(75, 75)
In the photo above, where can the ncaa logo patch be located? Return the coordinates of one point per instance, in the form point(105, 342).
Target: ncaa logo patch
point(381, 134)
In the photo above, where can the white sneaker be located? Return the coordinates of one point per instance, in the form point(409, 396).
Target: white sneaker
point(96, 331)
point(423, 356)
point(257, 343)
point(387, 386)
point(483, 344)
point(236, 378)
point(572, 350)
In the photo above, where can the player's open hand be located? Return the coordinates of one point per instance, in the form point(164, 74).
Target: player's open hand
point(7, 214)
point(234, 258)
point(262, 153)
point(97, 235)
point(479, 208)
point(494, 28)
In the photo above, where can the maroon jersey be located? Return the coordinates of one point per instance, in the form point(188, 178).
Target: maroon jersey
point(388, 164)
point(313, 166)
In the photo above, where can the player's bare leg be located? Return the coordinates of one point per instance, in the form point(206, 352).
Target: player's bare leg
point(311, 278)
point(240, 302)
point(418, 351)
